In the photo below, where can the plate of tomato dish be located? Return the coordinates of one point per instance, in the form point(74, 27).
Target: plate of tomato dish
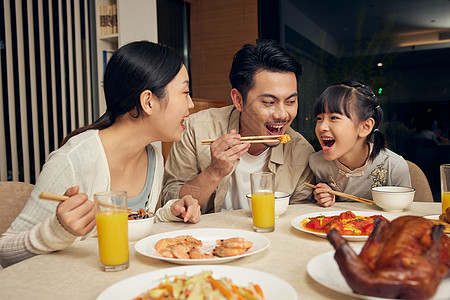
point(353, 225)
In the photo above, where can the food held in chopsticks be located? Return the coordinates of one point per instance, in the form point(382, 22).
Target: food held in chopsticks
point(282, 138)
point(201, 286)
point(347, 223)
point(407, 259)
point(188, 247)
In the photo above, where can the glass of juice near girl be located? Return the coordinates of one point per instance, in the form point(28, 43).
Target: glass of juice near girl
point(112, 229)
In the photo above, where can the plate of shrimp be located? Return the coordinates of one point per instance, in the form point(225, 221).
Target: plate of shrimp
point(202, 246)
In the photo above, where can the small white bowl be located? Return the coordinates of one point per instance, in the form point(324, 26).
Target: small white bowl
point(281, 202)
point(393, 198)
point(139, 229)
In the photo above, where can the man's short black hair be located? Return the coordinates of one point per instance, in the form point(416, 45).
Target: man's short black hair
point(265, 55)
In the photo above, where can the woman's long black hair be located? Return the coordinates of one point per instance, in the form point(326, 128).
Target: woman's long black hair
point(132, 69)
point(354, 96)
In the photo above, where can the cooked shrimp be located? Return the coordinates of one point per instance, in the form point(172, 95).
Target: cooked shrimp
point(181, 251)
point(235, 243)
point(234, 239)
point(225, 251)
point(189, 240)
point(196, 253)
point(163, 247)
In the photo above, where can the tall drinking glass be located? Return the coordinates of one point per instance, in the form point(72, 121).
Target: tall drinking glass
point(111, 214)
point(445, 186)
point(263, 201)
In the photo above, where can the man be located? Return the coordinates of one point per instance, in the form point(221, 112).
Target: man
point(264, 79)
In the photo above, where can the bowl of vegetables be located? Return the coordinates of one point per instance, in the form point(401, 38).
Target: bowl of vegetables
point(140, 224)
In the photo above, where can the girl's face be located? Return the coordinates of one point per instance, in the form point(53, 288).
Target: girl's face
point(168, 125)
point(339, 137)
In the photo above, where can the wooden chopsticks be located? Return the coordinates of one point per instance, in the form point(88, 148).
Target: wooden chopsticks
point(52, 197)
point(251, 139)
point(348, 196)
point(60, 198)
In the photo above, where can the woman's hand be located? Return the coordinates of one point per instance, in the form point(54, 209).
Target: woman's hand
point(76, 214)
point(186, 208)
point(322, 195)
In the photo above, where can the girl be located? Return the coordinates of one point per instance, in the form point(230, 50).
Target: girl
point(348, 116)
point(147, 96)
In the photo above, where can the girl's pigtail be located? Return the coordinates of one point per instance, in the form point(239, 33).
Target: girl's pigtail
point(379, 139)
point(379, 143)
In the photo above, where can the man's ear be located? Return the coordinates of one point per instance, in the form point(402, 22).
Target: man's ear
point(238, 101)
point(365, 127)
point(146, 102)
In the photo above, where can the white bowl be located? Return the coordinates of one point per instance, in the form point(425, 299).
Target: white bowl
point(139, 229)
point(393, 198)
point(281, 202)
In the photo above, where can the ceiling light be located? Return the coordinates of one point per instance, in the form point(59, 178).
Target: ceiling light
point(380, 64)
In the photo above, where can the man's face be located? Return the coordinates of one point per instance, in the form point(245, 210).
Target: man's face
point(271, 104)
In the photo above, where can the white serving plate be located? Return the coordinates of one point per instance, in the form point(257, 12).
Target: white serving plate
point(273, 287)
point(208, 236)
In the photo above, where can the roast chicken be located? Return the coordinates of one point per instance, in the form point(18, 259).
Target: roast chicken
point(407, 259)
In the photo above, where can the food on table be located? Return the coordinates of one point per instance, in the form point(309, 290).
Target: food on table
point(140, 214)
point(444, 220)
point(445, 216)
point(407, 258)
point(284, 138)
point(443, 223)
point(232, 247)
point(178, 247)
point(188, 247)
point(201, 286)
point(347, 223)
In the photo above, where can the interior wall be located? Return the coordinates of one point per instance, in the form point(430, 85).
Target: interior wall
point(218, 30)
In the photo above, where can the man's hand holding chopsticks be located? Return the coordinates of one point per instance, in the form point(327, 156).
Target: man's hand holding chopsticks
point(225, 151)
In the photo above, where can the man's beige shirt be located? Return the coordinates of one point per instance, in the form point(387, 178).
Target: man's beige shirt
point(188, 158)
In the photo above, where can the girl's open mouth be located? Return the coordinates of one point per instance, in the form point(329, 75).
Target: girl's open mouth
point(328, 142)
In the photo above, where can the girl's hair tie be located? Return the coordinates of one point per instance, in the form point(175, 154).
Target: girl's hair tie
point(376, 129)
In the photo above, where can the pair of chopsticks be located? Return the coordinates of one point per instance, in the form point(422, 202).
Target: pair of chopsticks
point(251, 139)
point(60, 198)
point(348, 196)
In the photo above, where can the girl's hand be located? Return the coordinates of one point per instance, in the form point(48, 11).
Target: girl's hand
point(76, 214)
point(187, 208)
point(322, 195)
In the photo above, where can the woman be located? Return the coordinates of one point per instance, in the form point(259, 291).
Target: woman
point(147, 97)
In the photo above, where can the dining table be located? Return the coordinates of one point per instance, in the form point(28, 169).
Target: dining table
point(74, 273)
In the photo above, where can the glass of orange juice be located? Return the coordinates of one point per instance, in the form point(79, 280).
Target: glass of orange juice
point(445, 186)
point(263, 201)
point(111, 214)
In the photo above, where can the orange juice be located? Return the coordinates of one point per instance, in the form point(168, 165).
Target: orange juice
point(112, 231)
point(445, 198)
point(263, 209)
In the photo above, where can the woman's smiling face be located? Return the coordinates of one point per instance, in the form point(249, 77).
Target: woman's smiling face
point(171, 114)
